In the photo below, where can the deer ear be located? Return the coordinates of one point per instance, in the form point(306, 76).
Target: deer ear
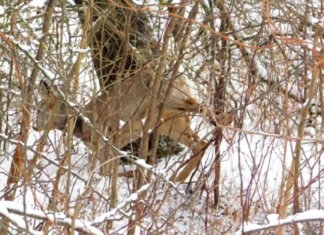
point(45, 87)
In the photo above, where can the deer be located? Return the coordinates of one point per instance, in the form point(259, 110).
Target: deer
point(99, 117)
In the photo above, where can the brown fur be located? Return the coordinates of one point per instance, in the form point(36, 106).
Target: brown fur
point(106, 110)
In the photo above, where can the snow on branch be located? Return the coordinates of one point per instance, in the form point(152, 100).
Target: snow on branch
point(311, 215)
point(16, 220)
point(8, 209)
point(111, 215)
point(29, 54)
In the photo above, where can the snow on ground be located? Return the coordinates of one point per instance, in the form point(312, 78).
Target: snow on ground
point(252, 168)
point(254, 163)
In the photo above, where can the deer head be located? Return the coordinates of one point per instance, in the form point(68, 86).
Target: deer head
point(52, 110)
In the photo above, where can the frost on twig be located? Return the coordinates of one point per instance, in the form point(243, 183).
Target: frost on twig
point(10, 210)
point(311, 215)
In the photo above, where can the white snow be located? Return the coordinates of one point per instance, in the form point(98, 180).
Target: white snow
point(311, 215)
point(17, 208)
point(254, 158)
point(37, 3)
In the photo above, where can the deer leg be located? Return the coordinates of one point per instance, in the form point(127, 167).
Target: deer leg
point(176, 125)
point(130, 132)
point(193, 163)
point(179, 130)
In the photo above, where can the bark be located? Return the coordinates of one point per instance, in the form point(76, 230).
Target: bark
point(109, 21)
point(148, 123)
